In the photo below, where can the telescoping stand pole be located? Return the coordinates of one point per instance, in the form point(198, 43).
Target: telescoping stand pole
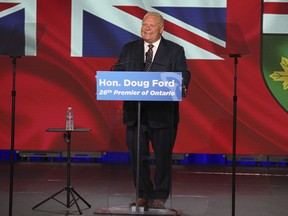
point(235, 56)
point(12, 135)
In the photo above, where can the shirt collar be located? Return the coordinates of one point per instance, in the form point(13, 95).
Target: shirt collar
point(155, 44)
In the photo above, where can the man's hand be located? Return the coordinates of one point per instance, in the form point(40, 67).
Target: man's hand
point(184, 91)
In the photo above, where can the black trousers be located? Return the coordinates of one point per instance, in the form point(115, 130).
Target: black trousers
point(162, 141)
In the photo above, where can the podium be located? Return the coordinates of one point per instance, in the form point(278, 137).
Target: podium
point(138, 86)
point(72, 196)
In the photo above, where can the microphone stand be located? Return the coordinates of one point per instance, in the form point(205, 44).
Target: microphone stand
point(137, 207)
point(12, 134)
point(138, 154)
point(235, 56)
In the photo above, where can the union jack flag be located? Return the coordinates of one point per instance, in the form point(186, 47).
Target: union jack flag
point(18, 27)
point(102, 31)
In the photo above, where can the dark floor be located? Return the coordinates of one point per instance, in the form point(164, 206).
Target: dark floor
point(196, 190)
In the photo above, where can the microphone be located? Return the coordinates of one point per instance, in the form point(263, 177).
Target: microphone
point(121, 63)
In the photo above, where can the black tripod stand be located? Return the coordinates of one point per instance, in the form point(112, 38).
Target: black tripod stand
point(235, 48)
point(71, 193)
point(12, 135)
point(235, 56)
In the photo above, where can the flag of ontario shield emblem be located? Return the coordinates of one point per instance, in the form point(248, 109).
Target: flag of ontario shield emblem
point(275, 49)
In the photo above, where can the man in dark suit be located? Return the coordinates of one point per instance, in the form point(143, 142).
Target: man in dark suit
point(159, 120)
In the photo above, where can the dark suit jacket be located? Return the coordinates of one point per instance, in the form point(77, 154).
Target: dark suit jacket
point(169, 57)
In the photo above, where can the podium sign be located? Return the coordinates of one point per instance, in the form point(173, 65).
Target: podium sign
point(138, 86)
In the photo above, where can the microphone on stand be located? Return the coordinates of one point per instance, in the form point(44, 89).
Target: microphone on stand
point(121, 64)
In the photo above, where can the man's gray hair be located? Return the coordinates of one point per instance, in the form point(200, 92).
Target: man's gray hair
point(156, 14)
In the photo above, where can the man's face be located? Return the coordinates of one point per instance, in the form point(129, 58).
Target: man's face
point(150, 30)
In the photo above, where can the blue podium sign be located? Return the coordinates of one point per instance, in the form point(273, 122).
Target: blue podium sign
point(138, 86)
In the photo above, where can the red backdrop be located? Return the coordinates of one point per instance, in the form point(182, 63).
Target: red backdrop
point(48, 83)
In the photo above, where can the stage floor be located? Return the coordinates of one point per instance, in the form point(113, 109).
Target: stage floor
point(197, 190)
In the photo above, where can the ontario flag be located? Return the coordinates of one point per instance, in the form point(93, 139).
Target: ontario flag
point(63, 43)
point(275, 49)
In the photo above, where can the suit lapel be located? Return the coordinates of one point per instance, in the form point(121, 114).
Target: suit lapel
point(160, 54)
point(140, 57)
